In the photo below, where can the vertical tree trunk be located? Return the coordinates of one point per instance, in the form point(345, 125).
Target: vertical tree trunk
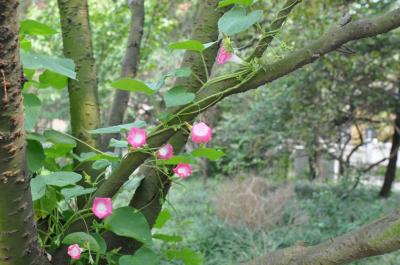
point(390, 173)
point(18, 238)
point(83, 98)
point(129, 67)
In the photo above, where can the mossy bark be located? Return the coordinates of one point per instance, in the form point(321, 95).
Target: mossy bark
point(18, 238)
point(83, 97)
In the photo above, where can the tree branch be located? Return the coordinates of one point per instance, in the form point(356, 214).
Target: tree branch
point(215, 92)
point(129, 67)
point(380, 237)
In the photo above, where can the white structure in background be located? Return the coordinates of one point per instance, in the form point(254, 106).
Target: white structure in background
point(367, 154)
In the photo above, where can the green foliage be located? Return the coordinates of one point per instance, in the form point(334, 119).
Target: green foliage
point(119, 128)
point(317, 213)
point(35, 155)
point(132, 85)
point(142, 256)
point(223, 3)
point(83, 239)
point(190, 45)
point(209, 153)
point(177, 96)
point(129, 222)
point(62, 66)
point(186, 255)
point(32, 106)
point(238, 20)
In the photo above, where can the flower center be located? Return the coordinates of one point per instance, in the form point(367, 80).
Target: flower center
point(163, 151)
point(201, 131)
point(101, 208)
point(182, 170)
point(138, 138)
point(75, 252)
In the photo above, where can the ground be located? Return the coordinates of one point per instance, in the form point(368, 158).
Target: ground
point(313, 215)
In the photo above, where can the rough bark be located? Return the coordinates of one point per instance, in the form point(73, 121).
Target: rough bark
point(83, 98)
point(129, 67)
point(378, 238)
point(391, 168)
point(18, 238)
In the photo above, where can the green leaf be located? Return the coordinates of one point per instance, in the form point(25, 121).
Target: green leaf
point(175, 160)
point(35, 155)
point(101, 164)
point(186, 255)
point(26, 45)
point(84, 240)
point(168, 238)
point(51, 79)
point(102, 243)
point(61, 178)
point(235, 2)
point(144, 256)
point(128, 222)
point(209, 153)
point(38, 188)
point(191, 45)
point(32, 106)
point(177, 96)
point(76, 191)
point(119, 128)
point(162, 218)
point(32, 27)
point(180, 72)
point(132, 85)
point(238, 20)
point(118, 143)
point(58, 65)
point(46, 204)
point(59, 138)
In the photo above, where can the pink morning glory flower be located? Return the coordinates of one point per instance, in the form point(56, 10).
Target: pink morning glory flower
point(74, 251)
point(183, 170)
point(224, 56)
point(165, 152)
point(137, 137)
point(201, 133)
point(102, 207)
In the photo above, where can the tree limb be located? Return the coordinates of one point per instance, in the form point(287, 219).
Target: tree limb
point(129, 67)
point(215, 92)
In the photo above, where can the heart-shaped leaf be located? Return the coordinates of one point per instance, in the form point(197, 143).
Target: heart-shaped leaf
point(144, 256)
point(209, 153)
point(61, 178)
point(238, 20)
point(84, 240)
point(177, 96)
point(132, 85)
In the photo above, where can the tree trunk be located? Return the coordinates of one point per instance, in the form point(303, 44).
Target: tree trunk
point(83, 98)
point(129, 67)
point(390, 173)
point(18, 238)
point(378, 238)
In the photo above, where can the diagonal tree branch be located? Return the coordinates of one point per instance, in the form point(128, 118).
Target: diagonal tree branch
point(380, 237)
point(215, 92)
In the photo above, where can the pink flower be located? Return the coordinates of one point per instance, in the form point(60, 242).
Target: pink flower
point(74, 251)
point(201, 133)
point(137, 137)
point(183, 170)
point(165, 152)
point(102, 207)
point(223, 55)
point(226, 56)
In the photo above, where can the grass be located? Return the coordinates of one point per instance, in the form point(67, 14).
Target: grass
point(315, 214)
